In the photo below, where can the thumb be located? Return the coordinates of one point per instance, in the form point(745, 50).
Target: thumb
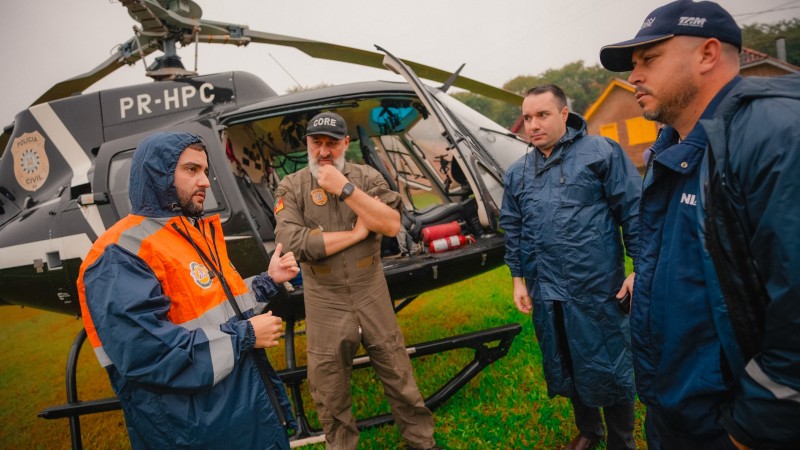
point(278, 249)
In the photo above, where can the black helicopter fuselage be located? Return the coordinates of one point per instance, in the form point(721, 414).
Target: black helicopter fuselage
point(64, 180)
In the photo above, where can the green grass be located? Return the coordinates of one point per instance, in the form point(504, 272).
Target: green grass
point(505, 407)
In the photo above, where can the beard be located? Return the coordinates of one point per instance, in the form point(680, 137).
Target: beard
point(188, 207)
point(677, 99)
point(313, 164)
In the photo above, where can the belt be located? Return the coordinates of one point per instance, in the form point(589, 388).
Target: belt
point(326, 269)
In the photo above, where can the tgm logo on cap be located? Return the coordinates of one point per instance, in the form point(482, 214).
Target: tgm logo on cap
point(698, 22)
point(648, 23)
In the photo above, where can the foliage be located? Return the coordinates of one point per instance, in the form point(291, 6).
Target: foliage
point(761, 37)
point(583, 85)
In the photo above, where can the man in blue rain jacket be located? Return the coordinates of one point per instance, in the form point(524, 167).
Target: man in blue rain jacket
point(563, 206)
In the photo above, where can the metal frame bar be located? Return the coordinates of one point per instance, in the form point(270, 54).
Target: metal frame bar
point(293, 377)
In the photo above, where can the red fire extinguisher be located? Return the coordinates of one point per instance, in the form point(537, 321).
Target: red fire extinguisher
point(444, 230)
point(449, 243)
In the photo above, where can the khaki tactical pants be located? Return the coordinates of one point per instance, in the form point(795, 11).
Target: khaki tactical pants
point(335, 331)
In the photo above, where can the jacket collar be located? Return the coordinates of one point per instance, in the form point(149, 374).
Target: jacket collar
point(682, 156)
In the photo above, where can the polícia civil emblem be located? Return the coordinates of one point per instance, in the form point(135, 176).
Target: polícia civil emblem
point(31, 166)
point(319, 197)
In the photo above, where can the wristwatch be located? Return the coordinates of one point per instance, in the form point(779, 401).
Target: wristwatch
point(347, 190)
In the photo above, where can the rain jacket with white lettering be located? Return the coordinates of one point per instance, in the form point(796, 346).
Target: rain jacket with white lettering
point(716, 317)
point(677, 353)
point(179, 359)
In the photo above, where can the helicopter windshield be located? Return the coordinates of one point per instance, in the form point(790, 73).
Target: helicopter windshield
point(502, 145)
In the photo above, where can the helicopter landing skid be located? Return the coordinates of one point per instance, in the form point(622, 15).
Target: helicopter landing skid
point(293, 378)
point(478, 341)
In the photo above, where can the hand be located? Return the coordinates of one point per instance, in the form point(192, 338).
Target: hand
point(521, 298)
point(330, 179)
point(268, 330)
point(360, 230)
point(282, 267)
point(738, 444)
point(627, 286)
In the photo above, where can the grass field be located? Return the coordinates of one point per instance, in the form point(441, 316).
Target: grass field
point(506, 407)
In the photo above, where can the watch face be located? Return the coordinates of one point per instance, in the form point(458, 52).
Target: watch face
point(346, 191)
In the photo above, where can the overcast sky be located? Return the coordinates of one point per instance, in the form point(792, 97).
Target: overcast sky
point(47, 41)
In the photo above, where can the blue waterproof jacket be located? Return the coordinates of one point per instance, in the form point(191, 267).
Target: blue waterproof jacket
point(716, 321)
point(562, 217)
point(677, 352)
point(753, 236)
point(182, 384)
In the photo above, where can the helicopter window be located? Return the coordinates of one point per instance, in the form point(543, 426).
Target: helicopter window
point(119, 171)
point(416, 188)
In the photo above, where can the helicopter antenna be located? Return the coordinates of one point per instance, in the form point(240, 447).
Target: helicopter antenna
point(452, 79)
point(196, 45)
point(284, 69)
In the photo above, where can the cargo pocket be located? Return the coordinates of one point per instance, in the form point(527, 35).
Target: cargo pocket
point(390, 359)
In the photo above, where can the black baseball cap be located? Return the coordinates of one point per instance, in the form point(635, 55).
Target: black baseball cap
point(327, 123)
point(682, 17)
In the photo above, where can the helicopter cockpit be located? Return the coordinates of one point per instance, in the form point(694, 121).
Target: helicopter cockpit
point(390, 130)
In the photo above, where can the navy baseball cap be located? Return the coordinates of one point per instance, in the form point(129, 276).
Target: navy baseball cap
point(684, 18)
point(327, 123)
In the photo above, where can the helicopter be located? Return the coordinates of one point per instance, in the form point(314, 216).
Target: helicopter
point(64, 175)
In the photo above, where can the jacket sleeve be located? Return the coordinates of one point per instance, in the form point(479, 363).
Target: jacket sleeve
point(377, 186)
point(765, 158)
point(264, 289)
point(623, 188)
point(290, 230)
point(511, 223)
point(128, 308)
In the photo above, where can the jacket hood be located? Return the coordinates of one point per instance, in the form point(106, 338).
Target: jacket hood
point(152, 182)
point(751, 88)
point(576, 127)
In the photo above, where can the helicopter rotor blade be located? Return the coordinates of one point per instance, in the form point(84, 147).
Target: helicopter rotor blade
point(128, 53)
point(179, 22)
point(323, 50)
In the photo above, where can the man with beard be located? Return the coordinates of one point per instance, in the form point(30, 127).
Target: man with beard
point(716, 316)
point(179, 332)
point(332, 214)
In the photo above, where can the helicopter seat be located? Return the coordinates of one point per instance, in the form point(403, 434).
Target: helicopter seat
point(414, 222)
point(371, 158)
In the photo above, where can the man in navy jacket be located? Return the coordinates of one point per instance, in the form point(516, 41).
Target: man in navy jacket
point(716, 316)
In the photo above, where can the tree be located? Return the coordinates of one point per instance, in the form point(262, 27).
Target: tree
point(762, 36)
point(583, 85)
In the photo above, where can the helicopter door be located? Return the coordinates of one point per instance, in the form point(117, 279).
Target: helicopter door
point(464, 156)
